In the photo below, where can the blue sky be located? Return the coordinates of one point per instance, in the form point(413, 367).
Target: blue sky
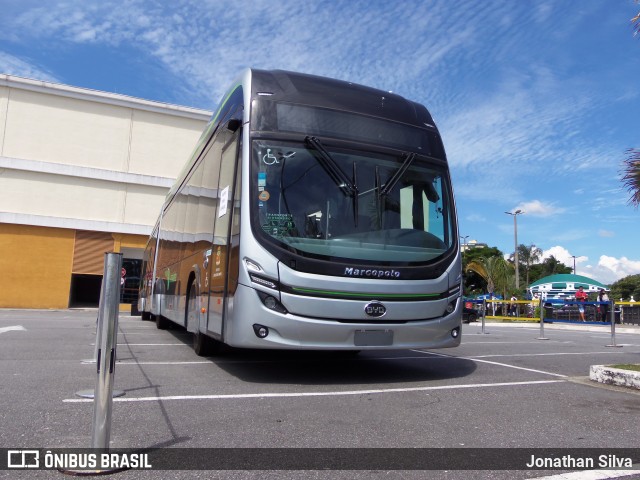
point(536, 101)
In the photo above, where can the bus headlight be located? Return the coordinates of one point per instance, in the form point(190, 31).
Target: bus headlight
point(260, 330)
point(271, 302)
point(451, 306)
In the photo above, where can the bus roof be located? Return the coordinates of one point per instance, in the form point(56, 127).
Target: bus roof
point(335, 94)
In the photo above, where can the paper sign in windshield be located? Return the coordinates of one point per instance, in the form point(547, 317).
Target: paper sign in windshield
point(224, 199)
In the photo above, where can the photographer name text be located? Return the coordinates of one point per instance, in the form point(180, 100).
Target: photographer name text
point(569, 461)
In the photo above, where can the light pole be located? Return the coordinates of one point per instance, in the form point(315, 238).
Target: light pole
point(464, 242)
point(574, 264)
point(515, 236)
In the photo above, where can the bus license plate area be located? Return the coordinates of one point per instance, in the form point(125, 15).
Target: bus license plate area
point(373, 338)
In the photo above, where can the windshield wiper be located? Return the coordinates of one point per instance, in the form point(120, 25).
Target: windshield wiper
point(396, 176)
point(332, 168)
point(348, 187)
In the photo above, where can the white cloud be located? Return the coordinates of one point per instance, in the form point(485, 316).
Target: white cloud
point(617, 268)
point(11, 65)
point(608, 269)
point(536, 208)
point(563, 255)
point(568, 234)
point(476, 217)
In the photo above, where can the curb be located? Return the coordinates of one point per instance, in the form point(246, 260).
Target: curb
point(614, 376)
point(620, 328)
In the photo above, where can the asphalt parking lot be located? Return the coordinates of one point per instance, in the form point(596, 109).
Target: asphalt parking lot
point(501, 389)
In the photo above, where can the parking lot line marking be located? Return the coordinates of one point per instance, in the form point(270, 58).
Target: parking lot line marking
point(149, 344)
point(314, 394)
point(501, 343)
point(155, 333)
point(518, 368)
point(498, 363)
point(544, 354)
point(245, 361)
point(14, 328)
point(590, 475)
point(165, 363)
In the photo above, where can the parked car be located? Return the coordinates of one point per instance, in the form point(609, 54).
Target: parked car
point(469, 314)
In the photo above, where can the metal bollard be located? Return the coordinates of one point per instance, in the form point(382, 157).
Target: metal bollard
point(103, 318)
point(484, 313)
point(613, 326)
point(106, 341)
point(542, 337)
point(107, 336)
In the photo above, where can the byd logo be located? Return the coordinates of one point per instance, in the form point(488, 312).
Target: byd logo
point(375, 309)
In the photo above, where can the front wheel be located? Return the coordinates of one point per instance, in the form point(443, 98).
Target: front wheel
point(205, 346)
point(161, 322)
point(201, 344)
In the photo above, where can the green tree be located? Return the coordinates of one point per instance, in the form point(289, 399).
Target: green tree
point(549, 266)
point(474, 283)
point(527, 256)
point(625, 288)
point(494, 270)
point(631, 169)
point(631, 173)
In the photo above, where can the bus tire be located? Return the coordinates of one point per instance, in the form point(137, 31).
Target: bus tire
point(161, 322)
point(201, 344)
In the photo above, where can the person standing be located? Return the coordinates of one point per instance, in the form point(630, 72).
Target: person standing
point(603, 298)
point(581, 297)
point(513, 307)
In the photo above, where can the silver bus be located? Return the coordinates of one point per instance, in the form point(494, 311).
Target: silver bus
point(313, 214)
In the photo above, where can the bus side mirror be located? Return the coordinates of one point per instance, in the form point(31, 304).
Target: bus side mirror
point(233, 125)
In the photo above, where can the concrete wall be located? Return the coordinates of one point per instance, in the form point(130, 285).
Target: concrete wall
point(35, 266)
point(76, 159)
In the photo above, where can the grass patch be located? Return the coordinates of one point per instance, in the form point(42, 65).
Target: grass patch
point(627, 366)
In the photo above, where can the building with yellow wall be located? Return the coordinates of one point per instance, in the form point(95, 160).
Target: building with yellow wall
point(82, 172)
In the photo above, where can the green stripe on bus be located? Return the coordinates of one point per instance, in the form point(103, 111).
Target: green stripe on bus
point(366, 295)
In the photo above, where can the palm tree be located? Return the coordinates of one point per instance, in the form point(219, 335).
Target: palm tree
point(528, 256)
point(551, 266)
point(495, 270)
point(631, 171)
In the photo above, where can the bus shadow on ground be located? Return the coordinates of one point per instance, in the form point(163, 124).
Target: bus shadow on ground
point(315, 367)
point(341, 368)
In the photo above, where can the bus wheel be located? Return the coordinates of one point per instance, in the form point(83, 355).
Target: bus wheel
point(192, 322)
point(201, 344)
point(161, 322)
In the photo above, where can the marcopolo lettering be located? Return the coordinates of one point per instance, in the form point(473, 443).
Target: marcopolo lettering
point(371, 273)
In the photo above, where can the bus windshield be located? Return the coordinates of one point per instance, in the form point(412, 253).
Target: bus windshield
point(328, 202)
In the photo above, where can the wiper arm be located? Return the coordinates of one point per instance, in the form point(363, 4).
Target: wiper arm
point(378, 204)
point(334, 171)
point(355, 195)
point(396, 176)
